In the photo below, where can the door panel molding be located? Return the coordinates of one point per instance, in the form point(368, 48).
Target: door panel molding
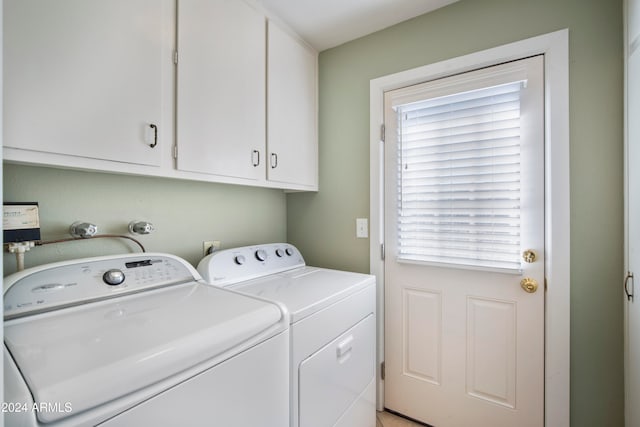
point(554, 46)
point(425, 308)
point(491, 324)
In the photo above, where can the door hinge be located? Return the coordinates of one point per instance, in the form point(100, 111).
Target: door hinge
point(382, 132)
point(175, 57)
point(382, 371)
point(175, 152)
point(382, 251)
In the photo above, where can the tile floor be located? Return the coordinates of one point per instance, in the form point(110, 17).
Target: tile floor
point(386, 419)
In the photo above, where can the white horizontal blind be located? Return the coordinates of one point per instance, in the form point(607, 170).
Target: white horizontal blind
point(459, 178)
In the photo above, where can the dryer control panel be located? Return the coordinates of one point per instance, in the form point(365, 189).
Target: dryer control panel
point(80, 281)
point(230, 266)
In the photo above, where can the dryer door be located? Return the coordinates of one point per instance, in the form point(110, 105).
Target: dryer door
point(331, 379)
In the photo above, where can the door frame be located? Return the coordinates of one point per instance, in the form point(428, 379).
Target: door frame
point(555, 48)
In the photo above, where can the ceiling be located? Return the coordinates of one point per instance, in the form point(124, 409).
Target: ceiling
point(329, 23)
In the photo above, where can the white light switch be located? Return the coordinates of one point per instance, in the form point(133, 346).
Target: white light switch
point(362, 228)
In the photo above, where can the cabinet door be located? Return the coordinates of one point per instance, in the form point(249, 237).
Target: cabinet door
point(221, 88)
point(632, 286)
point(292, 110)
point(83, 78)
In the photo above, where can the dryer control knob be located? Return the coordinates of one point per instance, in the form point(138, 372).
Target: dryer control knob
point(239, 259)
point(113, 277)
point(280, 253)
point(289, 251)
point(261, 255)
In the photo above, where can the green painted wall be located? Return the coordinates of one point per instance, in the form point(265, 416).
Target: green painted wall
point(184, 213)
point(322, 225)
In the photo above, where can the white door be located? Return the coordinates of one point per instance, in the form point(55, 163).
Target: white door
point(632, 339)
point(464, 202)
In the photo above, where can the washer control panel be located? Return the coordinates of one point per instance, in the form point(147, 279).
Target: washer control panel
point(236, 265)
point(79, 281)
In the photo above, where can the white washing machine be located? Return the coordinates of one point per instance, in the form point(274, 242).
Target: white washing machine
point(333, 329)
point(140, 340)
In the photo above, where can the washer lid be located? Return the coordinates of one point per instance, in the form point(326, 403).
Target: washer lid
point(306, 290)
point(94, 353)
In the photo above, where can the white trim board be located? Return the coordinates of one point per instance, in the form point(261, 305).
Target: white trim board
point(555, 48)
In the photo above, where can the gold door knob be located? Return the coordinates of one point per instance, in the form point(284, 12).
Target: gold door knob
point(529, 256)
point(529, 285)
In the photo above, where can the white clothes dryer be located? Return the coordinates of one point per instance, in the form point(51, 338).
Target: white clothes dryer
point(140, 340)
point(333, 329)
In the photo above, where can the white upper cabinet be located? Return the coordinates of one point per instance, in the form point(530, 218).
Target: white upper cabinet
point(221, 88)
point(291, 110)
point(83, 79)
point(246, 104)
point(189, 89)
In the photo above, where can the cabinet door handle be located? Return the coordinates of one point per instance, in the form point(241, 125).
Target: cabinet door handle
point(155, 135)
point(255, 158)
point(274, 160)
point(626, 286)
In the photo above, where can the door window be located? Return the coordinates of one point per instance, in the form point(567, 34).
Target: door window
point(459, 172)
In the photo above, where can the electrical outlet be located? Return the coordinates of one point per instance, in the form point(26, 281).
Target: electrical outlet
point(362, 228)
point(210, 247)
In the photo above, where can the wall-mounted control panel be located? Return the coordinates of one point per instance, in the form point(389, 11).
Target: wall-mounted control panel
point(20, 222)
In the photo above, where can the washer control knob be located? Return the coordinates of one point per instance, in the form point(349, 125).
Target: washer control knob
point(279, 252)
point(289, 251)
point(113, 277)
point(261, 255)
point(239, 259)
